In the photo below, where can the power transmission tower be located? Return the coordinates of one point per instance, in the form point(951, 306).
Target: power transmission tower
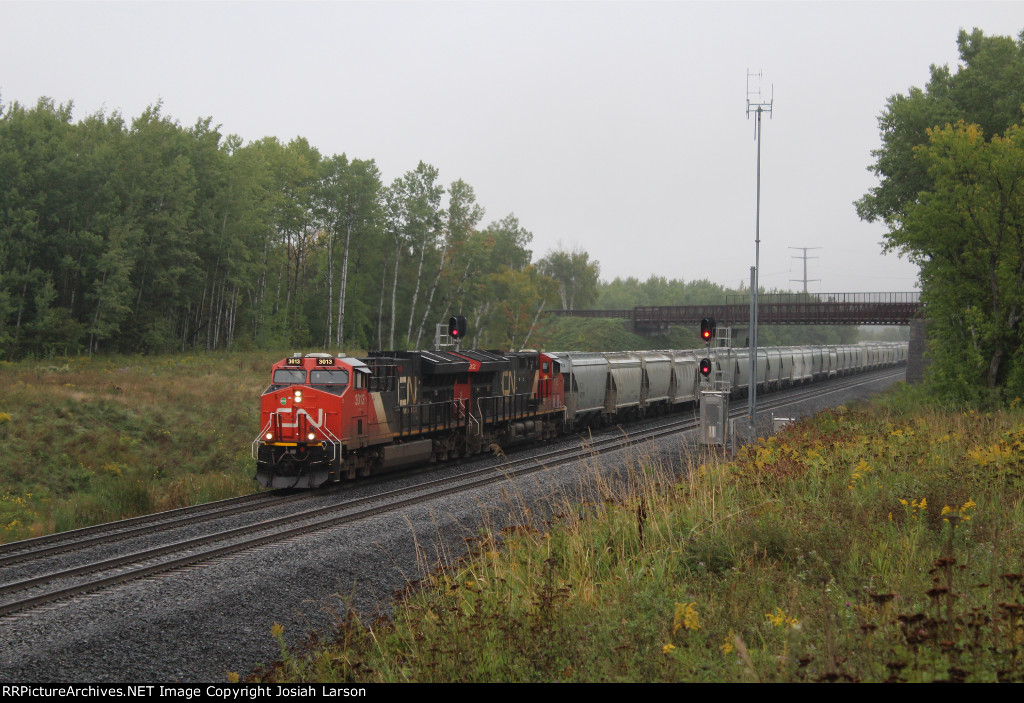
point(805, 257)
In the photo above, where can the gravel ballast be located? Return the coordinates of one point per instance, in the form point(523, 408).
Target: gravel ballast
point(197, 624)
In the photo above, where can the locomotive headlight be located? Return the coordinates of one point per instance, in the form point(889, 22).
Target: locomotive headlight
point(298, 393)
point(311, 435)
point(298, 396)
point(269, 436)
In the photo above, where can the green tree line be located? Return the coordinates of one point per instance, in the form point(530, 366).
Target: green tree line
point(147, 235)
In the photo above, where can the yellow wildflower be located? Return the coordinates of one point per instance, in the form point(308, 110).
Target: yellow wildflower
point(685, 617)
point(780, 619)
point(667, 648)
point(961, 513)
point(915, 506)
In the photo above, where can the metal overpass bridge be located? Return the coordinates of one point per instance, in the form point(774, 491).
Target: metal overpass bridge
point(775, 309)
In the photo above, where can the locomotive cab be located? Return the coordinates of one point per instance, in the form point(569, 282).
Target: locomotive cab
point(302, 437)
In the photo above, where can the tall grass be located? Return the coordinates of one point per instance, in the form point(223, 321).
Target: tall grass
point(88, 440)
point(882, 543)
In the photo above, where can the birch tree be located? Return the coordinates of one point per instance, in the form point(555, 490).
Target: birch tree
point(576, 274)
point(422, 224)
point(460, 222)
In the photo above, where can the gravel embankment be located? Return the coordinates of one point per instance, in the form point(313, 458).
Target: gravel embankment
point(198, 624)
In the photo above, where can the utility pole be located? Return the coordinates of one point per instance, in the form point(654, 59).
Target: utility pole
point(756, 107)
point(805, 257)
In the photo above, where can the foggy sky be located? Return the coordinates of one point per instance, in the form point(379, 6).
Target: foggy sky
point(617, 127)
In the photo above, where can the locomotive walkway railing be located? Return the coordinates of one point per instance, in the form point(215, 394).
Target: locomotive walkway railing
point(429, 417)
point(777, 309)
point(501, 408)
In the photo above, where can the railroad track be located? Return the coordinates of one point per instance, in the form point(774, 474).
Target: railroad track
point(38, 547)
point(27, 593)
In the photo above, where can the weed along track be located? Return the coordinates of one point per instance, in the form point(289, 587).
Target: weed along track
point(62, 566)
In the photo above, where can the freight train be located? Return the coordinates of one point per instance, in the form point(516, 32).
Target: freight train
point(325, 418)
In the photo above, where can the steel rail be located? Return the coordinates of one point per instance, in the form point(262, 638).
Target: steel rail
point(393, 500)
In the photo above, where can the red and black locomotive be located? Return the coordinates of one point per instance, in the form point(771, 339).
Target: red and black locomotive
point(325, 418)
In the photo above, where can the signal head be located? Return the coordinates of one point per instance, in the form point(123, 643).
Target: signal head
point(707, 329)
point(705, 367)
point(457, 327)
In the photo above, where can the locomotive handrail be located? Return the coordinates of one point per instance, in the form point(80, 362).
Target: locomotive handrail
point(494, 408)
point(335, 442)
point(252, 447)
point(473, 419)
point(438, 416)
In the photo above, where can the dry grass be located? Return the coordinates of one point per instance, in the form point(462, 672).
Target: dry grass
point(882, 544)
point(95, 439)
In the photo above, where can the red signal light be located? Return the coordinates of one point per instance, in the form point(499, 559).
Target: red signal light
point(705, 367)
point(707, 328)
point(457, 326)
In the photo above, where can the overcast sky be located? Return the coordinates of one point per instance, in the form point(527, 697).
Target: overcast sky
point(617, 127)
